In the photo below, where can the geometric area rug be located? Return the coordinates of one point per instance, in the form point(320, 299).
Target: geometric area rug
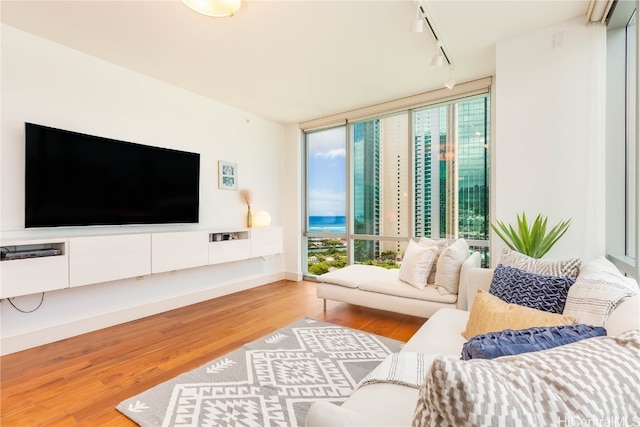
point(272, 381)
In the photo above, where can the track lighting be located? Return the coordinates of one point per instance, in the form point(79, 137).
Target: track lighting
point(449, 84)
point(438, 58)
point(417, 25)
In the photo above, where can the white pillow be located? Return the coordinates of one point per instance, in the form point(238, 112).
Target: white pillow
point(594, 296)
point(441, 244)
point(448, 267)
point(416, 264)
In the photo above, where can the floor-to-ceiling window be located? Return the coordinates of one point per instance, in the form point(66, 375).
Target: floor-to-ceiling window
point(451, 172)
point(326, 199)
point(416, 172)
point(380, 203)
point(623, 156)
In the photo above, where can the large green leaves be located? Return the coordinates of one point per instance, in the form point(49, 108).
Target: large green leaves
point(531, 240)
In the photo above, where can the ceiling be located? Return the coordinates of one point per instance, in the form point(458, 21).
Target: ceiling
point(291, 60)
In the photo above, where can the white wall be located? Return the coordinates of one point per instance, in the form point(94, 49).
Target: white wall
point(550, 141)
point(49, 84)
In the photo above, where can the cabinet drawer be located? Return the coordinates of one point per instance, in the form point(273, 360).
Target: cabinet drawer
point(229, 250)
point(99, 259)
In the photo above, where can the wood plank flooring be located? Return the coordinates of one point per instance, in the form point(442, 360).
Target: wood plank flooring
point(80, 380)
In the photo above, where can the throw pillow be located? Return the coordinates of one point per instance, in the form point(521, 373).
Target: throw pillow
point(539, 291)
point(594, 380)
point(441, 244)
point(594, 296)
point(510, 342)
point(448, 267)
point(416, 264)
point(567, 267)
point(491, 314)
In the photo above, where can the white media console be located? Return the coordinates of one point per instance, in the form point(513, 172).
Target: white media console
point(86, 260)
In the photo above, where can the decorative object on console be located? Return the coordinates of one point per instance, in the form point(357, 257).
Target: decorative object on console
point(490, 314)
point(227, 175)
point(262, 219)
point(531, 240)
point(539, 291)
point(510, 342)
point(246, 197)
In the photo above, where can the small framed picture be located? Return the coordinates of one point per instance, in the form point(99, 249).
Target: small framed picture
point(227, 175)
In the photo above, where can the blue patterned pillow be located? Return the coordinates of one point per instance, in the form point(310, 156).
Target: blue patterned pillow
point(539, 291)
point(510, 342)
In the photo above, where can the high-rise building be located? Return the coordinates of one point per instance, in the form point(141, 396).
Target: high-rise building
point(451, 177)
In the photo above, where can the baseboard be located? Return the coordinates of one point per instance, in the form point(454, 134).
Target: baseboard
point(55, 333)
point(294, 277)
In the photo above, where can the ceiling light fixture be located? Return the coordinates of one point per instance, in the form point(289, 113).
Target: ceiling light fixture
point(214, 8)
point(438, 58)
point(449, 84)
point(417, 25)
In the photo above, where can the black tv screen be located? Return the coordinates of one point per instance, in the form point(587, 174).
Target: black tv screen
point(73, 179)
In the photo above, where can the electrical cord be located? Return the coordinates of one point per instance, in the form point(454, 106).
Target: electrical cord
point(25, 311)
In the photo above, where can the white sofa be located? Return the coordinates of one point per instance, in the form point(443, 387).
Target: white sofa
point(385, 404)
point(381, 288)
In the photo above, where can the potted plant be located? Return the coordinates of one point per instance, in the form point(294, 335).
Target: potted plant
point(532, 240)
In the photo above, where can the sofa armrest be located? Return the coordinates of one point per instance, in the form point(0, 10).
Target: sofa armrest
point(477, 278)
point(470, 263)
point(626, 316)
point(323, 414)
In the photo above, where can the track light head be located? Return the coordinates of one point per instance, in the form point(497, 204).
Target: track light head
point(417, 25)
point(451, 82)
point(438, 57)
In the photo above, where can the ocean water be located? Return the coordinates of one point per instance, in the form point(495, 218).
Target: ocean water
point(329, 224)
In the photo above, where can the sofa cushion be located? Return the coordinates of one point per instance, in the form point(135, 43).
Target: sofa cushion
point(539, 291)
point(510, 342)
point(595, 295)
point(353, 275)
point(590, 380)
point(490, 314)
point(448, 266)
point(390, 284)
point(440, 244)
point(416, 264)
point(558, 267)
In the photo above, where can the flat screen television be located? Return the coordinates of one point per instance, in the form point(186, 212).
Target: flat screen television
point(73, 179)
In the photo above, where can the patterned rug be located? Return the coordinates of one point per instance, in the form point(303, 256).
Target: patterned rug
point(270, 382)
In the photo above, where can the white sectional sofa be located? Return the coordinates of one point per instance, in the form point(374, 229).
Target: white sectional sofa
point(381, 288)
point(388, 404)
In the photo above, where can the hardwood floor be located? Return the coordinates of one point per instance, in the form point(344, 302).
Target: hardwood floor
point(80, 380)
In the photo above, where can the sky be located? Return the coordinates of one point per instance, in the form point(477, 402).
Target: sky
point(327, 172)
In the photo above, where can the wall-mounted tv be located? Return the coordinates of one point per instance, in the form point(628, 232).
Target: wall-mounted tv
point(73, 179)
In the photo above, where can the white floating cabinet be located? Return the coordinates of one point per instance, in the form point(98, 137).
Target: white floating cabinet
point(266, 241)
point(86, 260)
point(96, 259)
point(228, 246)
point(34, 275)
point(179, 250)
